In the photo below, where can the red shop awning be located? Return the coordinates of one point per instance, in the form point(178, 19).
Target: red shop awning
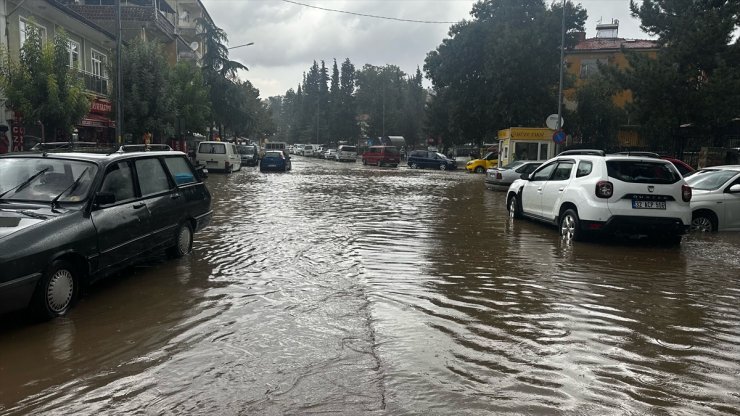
point(96, 120)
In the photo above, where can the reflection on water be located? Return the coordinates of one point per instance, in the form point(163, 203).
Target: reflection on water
point(364, 290)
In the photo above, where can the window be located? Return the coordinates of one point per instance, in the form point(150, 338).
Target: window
point(25, 25)
point(590, 67)
point(642, 172)
point(98, 61)
point(119, 181)
point(544, 173)
point(525, 151)
point(543, 151)
point(152, 177)
point(584, 168)
point(74, 54)
point(180, 171)
point(562, 172)
point(215, 148)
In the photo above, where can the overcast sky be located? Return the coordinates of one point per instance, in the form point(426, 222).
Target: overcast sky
point(288, 37)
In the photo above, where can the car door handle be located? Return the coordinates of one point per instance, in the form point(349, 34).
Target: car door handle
point(539, 189)
point(141, 205)
point(561, 189)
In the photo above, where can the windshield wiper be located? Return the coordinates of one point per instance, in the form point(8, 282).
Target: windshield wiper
point(25, 183)
point(70, 189)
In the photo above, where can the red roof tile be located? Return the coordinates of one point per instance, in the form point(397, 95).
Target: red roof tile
point(595, 44)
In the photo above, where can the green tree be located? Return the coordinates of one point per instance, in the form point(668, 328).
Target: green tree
point(695, 77)
point(597, 117)
point(148, 103)
point(501, 68)
point(191, 99)
point(42, 86)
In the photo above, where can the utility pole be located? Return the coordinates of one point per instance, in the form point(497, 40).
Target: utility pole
point(119, 82)
point(560, 88)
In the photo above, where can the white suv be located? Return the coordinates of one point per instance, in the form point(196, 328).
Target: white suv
point(586, 191)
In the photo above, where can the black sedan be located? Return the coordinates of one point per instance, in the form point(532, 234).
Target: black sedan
point(67, 219)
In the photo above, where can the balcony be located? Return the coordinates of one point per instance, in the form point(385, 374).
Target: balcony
point(95, 83)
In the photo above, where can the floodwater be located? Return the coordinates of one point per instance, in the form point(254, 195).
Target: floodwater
point(349, 289)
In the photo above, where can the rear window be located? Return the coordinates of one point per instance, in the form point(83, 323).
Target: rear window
point(708, 180)
point(639, 171)
point(348, 149)
point(215, 148)
point(274, 154)
point(246, 150)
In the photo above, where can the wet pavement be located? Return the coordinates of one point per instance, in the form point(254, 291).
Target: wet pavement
point(349, 289)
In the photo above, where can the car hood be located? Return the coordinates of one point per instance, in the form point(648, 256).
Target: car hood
point(12, 221)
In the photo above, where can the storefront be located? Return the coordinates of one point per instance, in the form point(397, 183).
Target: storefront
point(97, 125)
point(522, 143)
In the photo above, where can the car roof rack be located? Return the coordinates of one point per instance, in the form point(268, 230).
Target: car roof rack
point(70, 145)
point(143, 148)
point(638, 153)
point(589, 152)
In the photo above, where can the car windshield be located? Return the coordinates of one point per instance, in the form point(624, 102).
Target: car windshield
point(348, 149)
point(246, 150)
point(43, 179)
point(513, 165)
point(642, 171)
point(440, 156)
point(710, 179)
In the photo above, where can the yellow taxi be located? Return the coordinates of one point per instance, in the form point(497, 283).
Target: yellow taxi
point(490, 160)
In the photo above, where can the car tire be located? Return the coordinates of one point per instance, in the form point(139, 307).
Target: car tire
point(442, 166)
point(364, 162)
point(703, 221)
point(479, 169)
point(414, 166)
point(570, 226)
point(56, 291)
point(515, 207)
point(380, 163)
point(183, 241)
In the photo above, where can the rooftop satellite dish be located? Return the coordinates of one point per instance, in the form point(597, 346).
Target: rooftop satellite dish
point(552, 121)
point(194, 45)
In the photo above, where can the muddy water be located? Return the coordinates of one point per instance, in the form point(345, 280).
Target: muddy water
point(339, 288)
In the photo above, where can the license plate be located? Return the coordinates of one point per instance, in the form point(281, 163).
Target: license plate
point(211, 162)
point(271, 166)
point(648, 204)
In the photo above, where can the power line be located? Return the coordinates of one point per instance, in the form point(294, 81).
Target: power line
point(368, 15)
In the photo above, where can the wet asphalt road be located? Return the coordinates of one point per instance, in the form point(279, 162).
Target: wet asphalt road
point(349, 289)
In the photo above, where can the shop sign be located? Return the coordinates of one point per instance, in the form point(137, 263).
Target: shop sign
point(101, 106)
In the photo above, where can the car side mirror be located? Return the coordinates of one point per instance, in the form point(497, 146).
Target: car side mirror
point(105, 198)
point(734, 189)
point(525, 176)
point(201, 171)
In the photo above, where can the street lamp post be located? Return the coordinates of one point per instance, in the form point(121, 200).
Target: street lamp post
point(562, 58)
point(119, 83)
point(239, 46)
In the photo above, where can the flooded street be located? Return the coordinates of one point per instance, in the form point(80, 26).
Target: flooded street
point(350, 289)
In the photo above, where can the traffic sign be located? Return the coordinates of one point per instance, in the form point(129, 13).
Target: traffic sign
point(558, 137)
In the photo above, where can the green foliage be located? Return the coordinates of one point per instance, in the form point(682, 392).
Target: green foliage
point(695, 78)
point(42, 86)
point(597, 117)
point(148, 103)
point(498, 70)
point(190, 95)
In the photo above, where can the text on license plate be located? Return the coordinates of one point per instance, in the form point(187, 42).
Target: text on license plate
point(271, 166)
point(648, 204)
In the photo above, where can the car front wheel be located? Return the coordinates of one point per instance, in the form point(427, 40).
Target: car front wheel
point(570, 226)
point(442, 166)
point(56, 291)
point(364, 162)
point(414, 166)
point(479, 169)
point(515, 210)
point(183, 241)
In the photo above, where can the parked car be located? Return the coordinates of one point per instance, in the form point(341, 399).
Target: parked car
point(274, 160)
point(346, 153)
point(715, 205)
point(68, 219)
point(684, 168)
point(501, 178)
point(381, 156)
point(588, 192)
point(218, 156)
point(330, 154)
point(249, 154)
point(307, 150)
point(481, 165)
point(419, 159)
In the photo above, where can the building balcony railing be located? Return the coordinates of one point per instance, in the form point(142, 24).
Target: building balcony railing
point(95, 83)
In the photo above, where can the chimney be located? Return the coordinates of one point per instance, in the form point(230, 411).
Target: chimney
point(580, 37)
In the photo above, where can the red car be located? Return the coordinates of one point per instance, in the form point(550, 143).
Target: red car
point(682, 166)
point(381, 156)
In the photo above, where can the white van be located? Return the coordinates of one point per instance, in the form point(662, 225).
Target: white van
point(308, 150)
point(218, 156)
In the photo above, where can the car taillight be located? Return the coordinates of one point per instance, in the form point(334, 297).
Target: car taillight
point(604, 189)
point(686, 193)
